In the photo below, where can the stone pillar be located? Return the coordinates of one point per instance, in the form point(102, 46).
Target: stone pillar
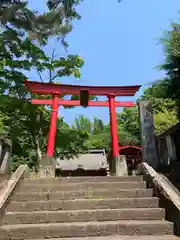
point(47, 167)
point(5, 164)
point(121, 166)
point(174, 149)
point(5, 150)
point(1, 145)
point(169, 148)
point(148, 138)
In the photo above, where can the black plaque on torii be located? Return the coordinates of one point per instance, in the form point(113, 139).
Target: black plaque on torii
point(148, 137)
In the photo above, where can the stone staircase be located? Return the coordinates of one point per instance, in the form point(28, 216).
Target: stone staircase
point(90, 208)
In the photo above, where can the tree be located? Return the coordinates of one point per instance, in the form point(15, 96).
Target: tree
point(164, 108)
point(55, 22)
point(98, 126)
point(100, 135)
point(156, 94)
point(171, 84)
point(28, 131)
point(128, 124)
point(164, 120)
point(69, 141)
point(12, 81)
point(98, 132)
point(25, 124)
point(83, 123)
point(18, 52)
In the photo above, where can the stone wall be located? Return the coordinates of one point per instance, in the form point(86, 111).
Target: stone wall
point(168, 194)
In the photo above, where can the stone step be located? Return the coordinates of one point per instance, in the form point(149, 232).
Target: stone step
point(85, 229)
point(80, 186)
point(85, 179)
point(82, 215)
point(144, 237)
point(81, 204)
point(70, 195)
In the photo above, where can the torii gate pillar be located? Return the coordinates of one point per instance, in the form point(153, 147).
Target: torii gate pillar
point(52, 129)
point(113, 124)
point(118, 162)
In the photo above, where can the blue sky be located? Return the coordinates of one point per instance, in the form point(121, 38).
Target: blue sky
point(118, 42)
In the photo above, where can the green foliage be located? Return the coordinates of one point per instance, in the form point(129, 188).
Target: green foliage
point(82, 123)
point(99, 136)
point(68, 6)
point(129, 128)
point(1, 123)
point(70, 141)
point(171, 84)
point(65, 66)
point(26, 124)
point(164, 108)
point(54, 22)
point(164, 120)
point(156, 94)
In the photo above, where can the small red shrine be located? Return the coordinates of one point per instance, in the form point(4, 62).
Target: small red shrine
point(132, 152)
point(59, 90)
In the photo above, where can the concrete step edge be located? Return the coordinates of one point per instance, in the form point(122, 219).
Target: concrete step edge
point(83, 183)
point(100, 190)
point(84, 229)
point(81, 194)
point(89, 210)
point(90, 200)
point(145, 237)
point(95, 223)
point(81, 216)
point(90, 179)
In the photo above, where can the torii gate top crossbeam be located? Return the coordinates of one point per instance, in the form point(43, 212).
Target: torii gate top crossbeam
point(50, 88)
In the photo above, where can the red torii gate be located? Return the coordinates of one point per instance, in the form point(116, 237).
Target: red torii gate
point(56, 90)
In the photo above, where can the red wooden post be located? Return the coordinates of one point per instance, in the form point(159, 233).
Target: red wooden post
point(52, 130)
point(113, 123)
